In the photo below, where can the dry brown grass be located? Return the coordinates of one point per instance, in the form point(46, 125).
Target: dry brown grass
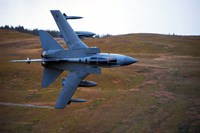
point(160, 93)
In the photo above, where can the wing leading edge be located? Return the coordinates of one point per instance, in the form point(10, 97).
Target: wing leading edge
point(69, 87)
point(70, 37)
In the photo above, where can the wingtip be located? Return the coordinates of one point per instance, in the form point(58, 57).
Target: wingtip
point(58, 106)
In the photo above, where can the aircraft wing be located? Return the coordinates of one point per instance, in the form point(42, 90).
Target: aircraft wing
point(70, 37)
point(69, 86)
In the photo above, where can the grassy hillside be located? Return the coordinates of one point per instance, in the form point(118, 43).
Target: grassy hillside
point(160, 93)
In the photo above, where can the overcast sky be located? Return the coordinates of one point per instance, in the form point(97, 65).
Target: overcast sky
point(181, 17)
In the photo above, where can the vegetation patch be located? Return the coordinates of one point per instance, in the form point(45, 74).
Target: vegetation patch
point(160, 93)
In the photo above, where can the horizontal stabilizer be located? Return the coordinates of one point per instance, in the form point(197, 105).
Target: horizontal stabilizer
point(49, 76)
point(47, 41)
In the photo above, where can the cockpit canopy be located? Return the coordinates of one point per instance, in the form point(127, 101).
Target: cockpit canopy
point(102, 61)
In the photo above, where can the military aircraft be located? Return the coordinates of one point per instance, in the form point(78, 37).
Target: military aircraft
point(79, 59)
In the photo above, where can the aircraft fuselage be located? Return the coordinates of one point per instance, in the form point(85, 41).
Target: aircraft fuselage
point(96, 60)
point(79, 59)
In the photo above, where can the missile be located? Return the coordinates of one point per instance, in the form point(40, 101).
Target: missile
point(71, 17)
point(84, 34)
point(76, 100)
point(85, 83)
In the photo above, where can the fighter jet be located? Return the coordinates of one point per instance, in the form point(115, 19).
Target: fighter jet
point(79, 59)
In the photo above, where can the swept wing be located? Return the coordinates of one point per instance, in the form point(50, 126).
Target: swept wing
point(70, 85)
point(70, 37)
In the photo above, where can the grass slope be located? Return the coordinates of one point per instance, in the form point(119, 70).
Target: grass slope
point(160, 93)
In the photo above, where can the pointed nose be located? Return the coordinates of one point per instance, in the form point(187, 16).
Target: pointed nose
point(129, 60)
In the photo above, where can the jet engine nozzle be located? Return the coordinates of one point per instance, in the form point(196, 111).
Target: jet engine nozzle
point(44, 64)
point(43, 54)
point(28, 60)
point(85, 83)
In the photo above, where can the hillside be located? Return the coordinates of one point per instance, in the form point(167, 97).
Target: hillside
point(160, 93)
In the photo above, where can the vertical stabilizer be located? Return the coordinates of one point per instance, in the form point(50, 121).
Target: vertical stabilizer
point(47, 41)
point(49, 76)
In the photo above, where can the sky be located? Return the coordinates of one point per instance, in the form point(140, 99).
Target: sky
point(180, 17)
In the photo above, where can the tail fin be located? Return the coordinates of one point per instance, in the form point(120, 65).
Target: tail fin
point(49, 76)
point(47, 41)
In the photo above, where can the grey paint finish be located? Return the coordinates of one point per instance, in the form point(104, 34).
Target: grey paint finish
point(69, 87)
point(70, 37)
point(49, 76)
point(79, 60)
point(47, 41)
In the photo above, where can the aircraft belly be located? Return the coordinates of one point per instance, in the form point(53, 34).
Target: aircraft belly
point(80, 67)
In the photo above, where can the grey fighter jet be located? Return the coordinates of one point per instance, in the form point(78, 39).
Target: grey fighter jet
point(79, 59)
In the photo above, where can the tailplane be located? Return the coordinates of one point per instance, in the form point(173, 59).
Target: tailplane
point(49, 76)
point(47, 41)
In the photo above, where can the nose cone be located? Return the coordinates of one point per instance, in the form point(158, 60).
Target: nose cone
point(129, 60)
